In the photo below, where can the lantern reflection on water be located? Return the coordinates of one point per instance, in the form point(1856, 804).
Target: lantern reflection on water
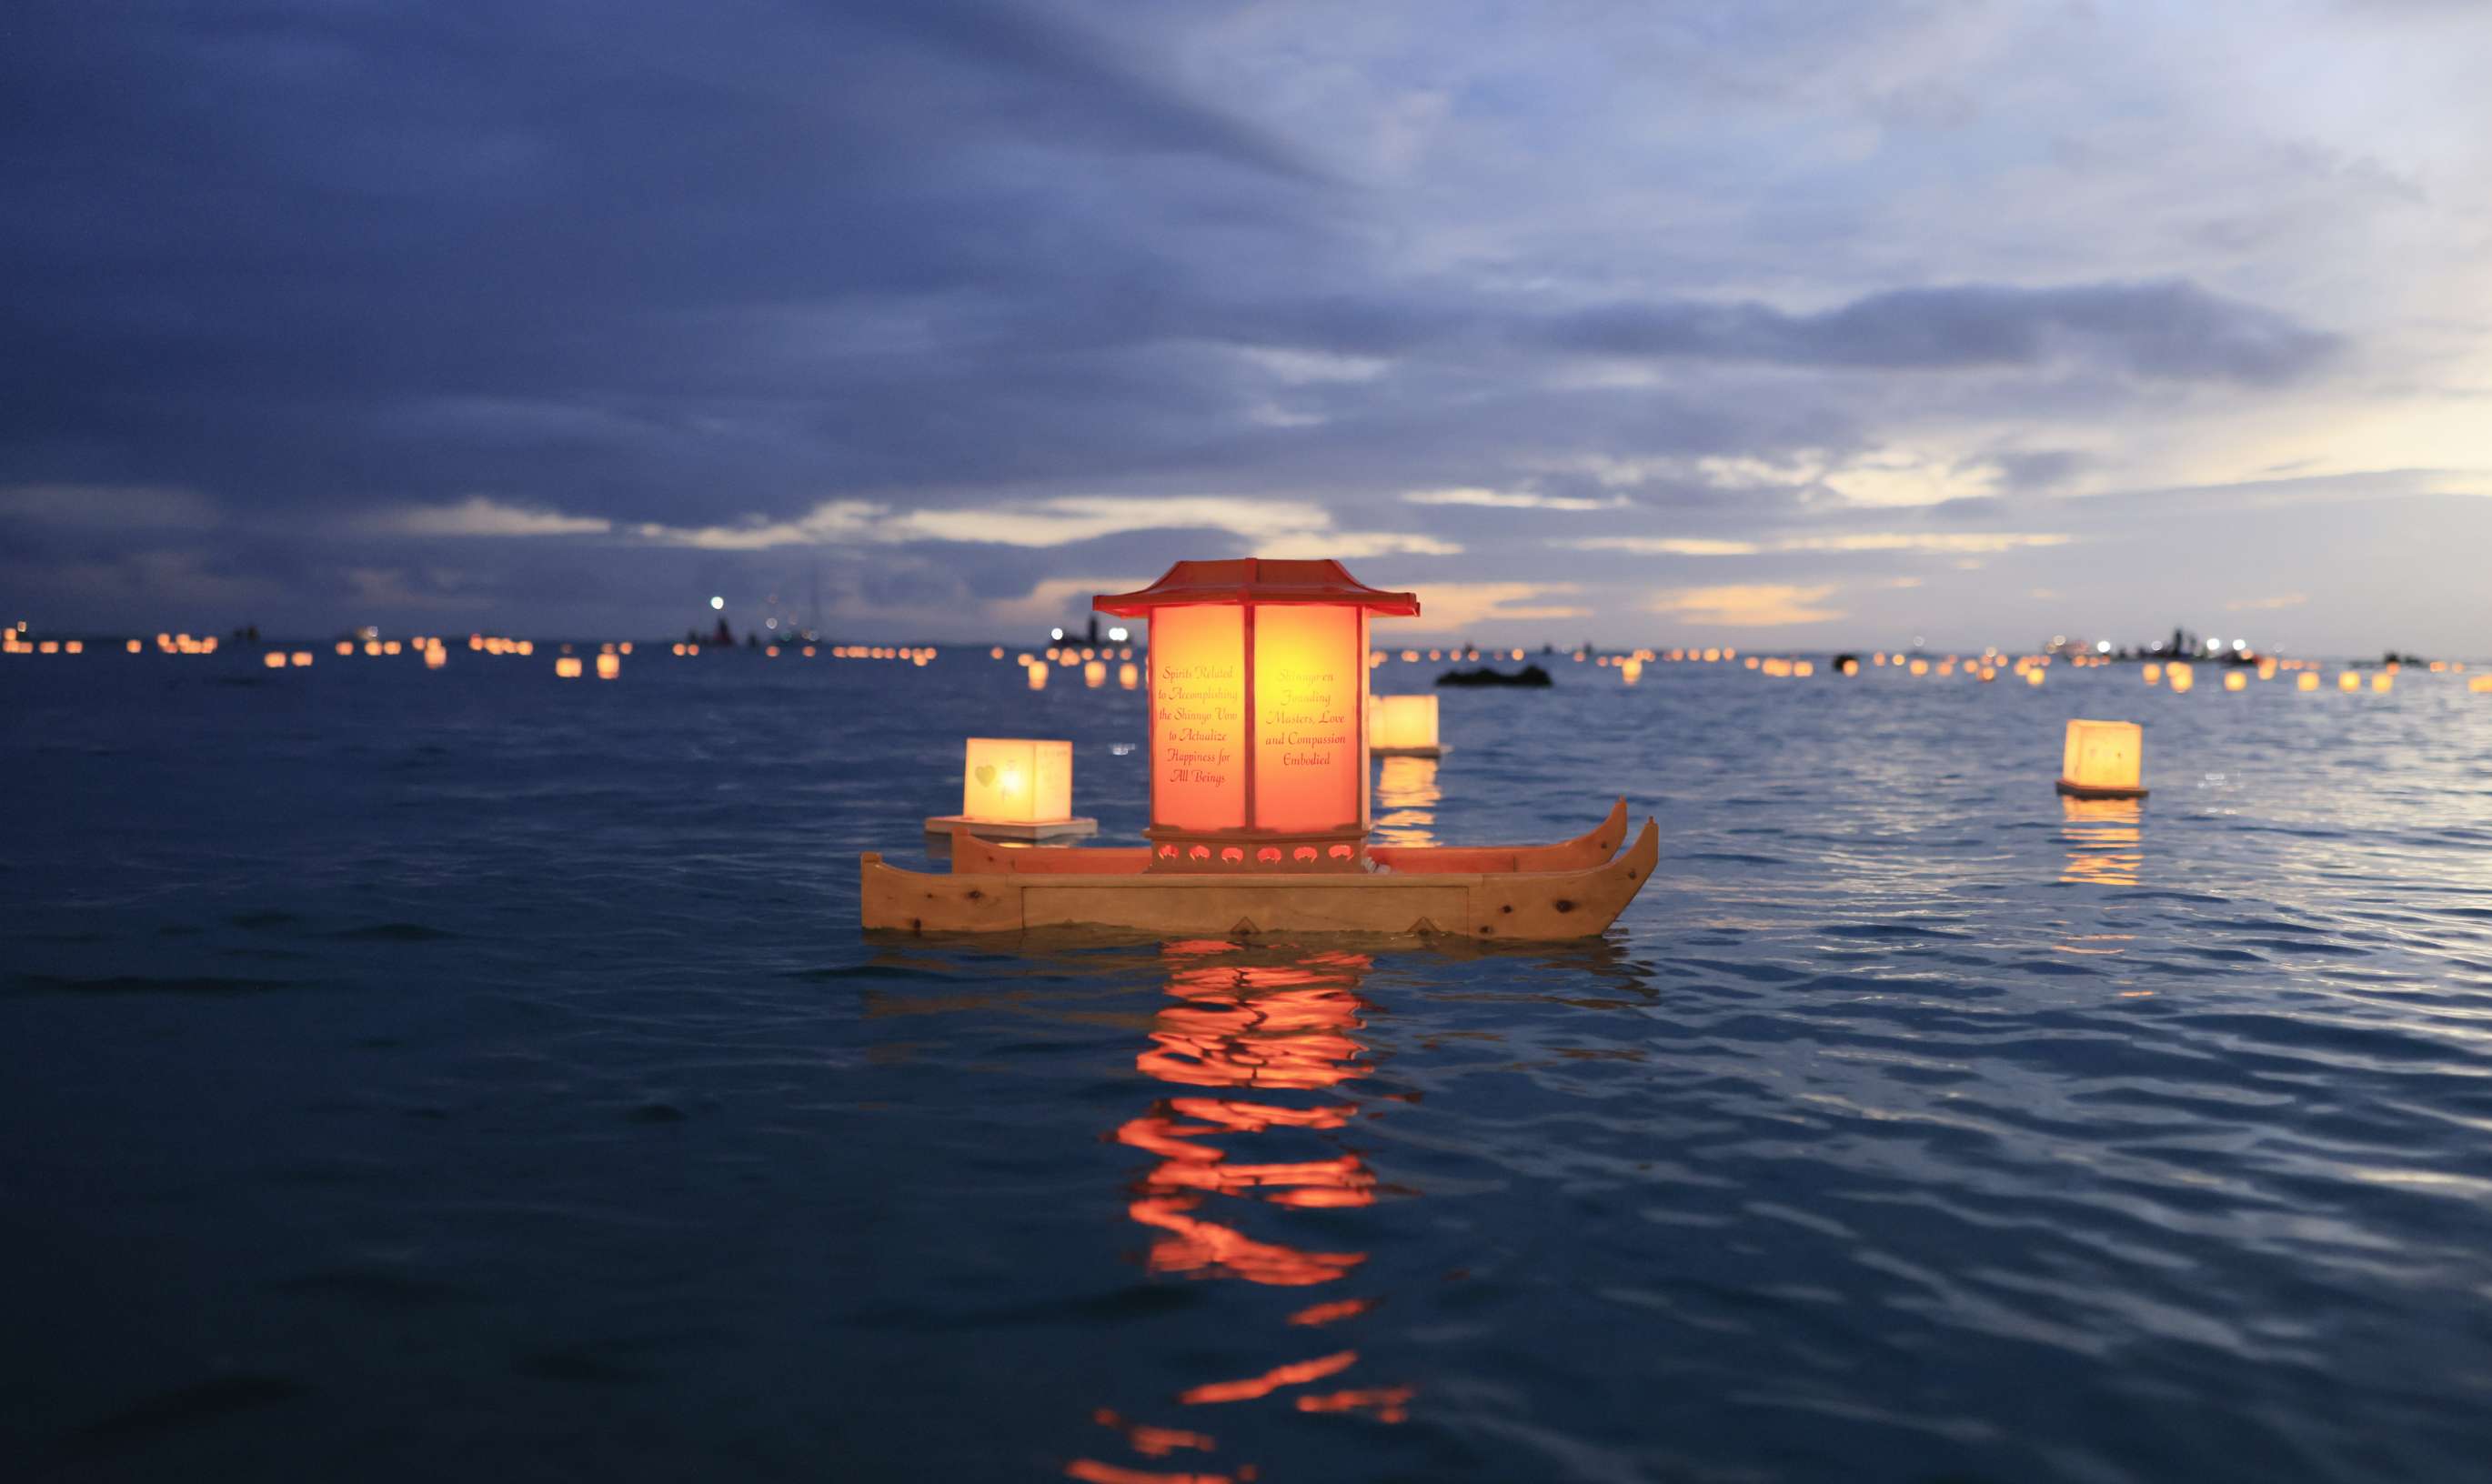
point(1405, 800)
point(1280, 1028)
point(2104, 838)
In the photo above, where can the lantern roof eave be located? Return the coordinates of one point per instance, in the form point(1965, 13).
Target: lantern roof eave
point(1256, 580)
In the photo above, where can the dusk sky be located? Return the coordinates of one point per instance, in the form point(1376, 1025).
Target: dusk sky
point(1776, 323)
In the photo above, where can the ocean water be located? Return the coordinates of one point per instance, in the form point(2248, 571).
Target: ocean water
point(475, 1075)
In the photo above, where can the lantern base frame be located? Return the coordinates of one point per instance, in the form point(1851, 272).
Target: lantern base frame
point(2101, 791)
point(1372, 751)
point(1075, 827)
point(1257, 853)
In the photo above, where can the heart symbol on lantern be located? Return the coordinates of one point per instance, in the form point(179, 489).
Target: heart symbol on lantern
point(986, 775)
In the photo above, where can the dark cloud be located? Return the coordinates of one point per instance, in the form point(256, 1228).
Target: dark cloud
point(288, 269)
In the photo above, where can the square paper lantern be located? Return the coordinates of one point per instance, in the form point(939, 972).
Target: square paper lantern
point(1258, 713)
point(2347, 680)
point(2234, 680)
point(1402, 726)
point(1016, 781)
point(2103, 760)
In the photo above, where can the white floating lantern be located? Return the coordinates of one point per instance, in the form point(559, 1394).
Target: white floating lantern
point(1402, 726)
point(2103, 760)
point(1016, 788)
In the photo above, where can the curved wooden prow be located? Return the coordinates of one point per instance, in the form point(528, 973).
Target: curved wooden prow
point(1588, 850)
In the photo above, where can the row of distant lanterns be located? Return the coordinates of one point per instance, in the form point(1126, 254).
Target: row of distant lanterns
point(1093, 661)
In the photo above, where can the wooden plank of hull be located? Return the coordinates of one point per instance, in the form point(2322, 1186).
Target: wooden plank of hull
point(1484, 906)
point(973, 856)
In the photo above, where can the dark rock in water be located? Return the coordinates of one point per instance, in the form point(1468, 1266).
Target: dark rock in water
point(1528, 675)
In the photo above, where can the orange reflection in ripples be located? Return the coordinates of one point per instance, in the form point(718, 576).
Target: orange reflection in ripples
point(2105, 837)
point(1406, 797)
point(1246, 1023)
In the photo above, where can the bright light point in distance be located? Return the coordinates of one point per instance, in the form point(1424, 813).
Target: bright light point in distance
point(1116, 635)
point(718, 603)
point(1055, 634)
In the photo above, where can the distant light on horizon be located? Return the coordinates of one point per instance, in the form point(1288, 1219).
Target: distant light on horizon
point(716, 603)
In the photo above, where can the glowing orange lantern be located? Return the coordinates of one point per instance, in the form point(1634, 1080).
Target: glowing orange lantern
point(2347, 680)
point(2032, 678)
point(567, 667)
point(2382, 680)
point(1095, 673)
point(132, 646)
point(2182, 678)
point(2308, 680)
point(1402, 726)
point(609, 666)
point(1129, 675)
point(1037, 677)
point(2234, 680)
point(302, 658)
point(273, 660)
point(1259, 712)
point(2481, 685)
point(2103, 760)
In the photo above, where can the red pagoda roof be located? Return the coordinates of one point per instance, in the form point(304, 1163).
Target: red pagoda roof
point(1253, 579)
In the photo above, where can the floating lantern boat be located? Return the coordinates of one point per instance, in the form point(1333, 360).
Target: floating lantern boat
point(567, 667)
point(2234, 680)
point(609, 666)
point(1402, 726)
point(2308, 680)
point(2103, 760)
point(1016, 788)
point(2481, 685)
point(2382, 680)
point(1259, 762)
point(2347, 680)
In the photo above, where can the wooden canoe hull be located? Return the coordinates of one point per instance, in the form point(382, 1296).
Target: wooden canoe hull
point(1480, 906)
point(973, 856)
